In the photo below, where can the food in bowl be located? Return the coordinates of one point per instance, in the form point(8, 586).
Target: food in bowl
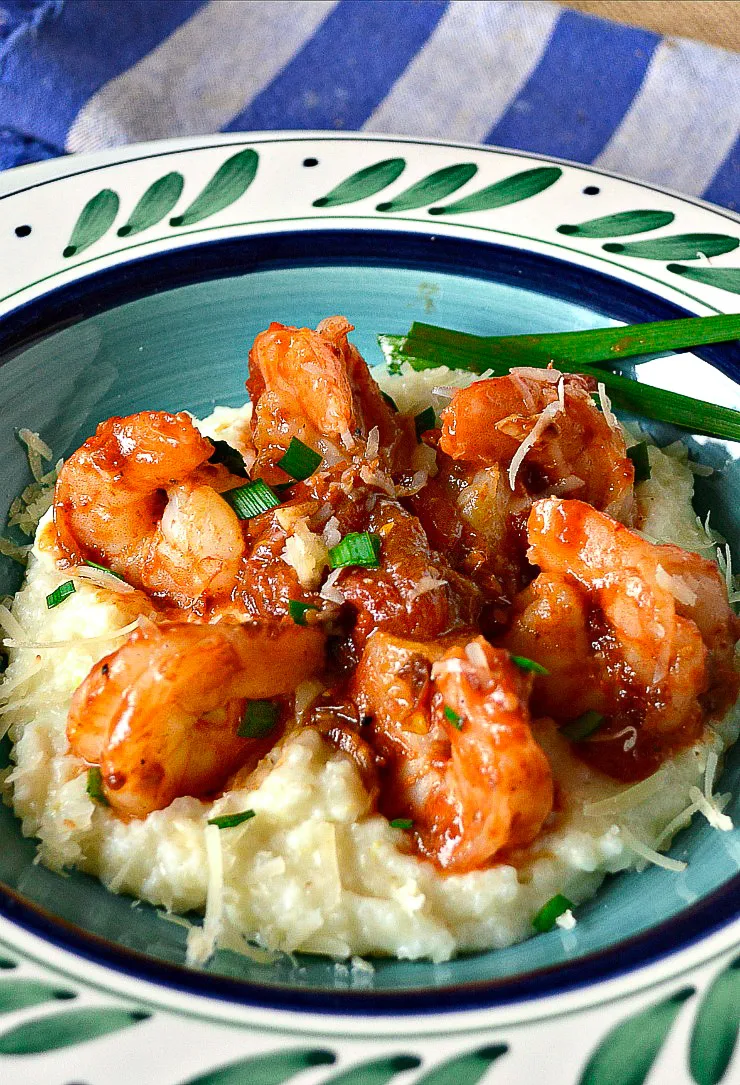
point(397, 666)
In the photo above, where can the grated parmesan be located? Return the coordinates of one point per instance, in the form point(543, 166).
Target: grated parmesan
point(101, 578)
point(373, 443)
point(676, 585)
point(202, 940)
point(113, 634)
point(627, 799)
point(532, 437)
point(639, 847)
point(606, 407)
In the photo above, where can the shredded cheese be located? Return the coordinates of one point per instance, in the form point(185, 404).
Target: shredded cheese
point(424, 585)
point(532, 437)
point(676, 585)
point(606, 407)
point(711, 810)
point(202, 940)
point(627, 799)
point(101, 578)
point(566, 920)
point(329, 591)
point(373, 443)
point(114, 634)
point(639, 847)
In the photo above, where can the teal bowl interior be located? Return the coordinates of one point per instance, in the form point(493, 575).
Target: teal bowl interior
point(186, 347)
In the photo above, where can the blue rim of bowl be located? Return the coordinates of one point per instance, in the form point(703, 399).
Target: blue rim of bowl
point(111, 287)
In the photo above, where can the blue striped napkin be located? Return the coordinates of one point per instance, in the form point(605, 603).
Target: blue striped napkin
point(80, 75)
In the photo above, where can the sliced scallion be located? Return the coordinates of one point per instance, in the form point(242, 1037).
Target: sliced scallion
point(59, 594)
point(452, 716)
point(230, 457)
point(298, 610)
point(529, 665)
point(251, 500)
point(639, 456)
point(583, 726)
point(229, 821)
point(259, 719)
point(544, 921)
point(95, 786)
point(402, 823)
point(357, 548)
point(425, 420)
point(299, 461)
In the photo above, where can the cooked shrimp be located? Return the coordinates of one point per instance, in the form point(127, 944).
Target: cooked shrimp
point(577, 450)
point(314, 385)
point(160, 714)
point(637, 632)
point(140, 498)
point(460, 758)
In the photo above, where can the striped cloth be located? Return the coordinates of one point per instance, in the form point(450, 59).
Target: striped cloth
point(80, 75)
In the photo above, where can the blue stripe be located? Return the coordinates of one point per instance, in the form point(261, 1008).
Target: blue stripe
point(349, 65)
point(725, 186)
point(579, 91)
point(55, 68)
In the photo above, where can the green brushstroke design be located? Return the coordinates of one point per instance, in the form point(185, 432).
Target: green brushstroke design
point(229, 182)
point(725, 278)
point(626, 222)
point(375, 1072)
point(466, 1069)
point(66, 1029)
point(512, 189)
point(19, 994)
point(157, 201)
point(270, 1069)
point(678, 247)
point(714, 1036)
point(435, 186)
point(626, 1054)
point(363, 183)
point(96, 218)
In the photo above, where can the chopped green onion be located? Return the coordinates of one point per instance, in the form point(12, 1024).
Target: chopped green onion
point(425, 420)
point(259, 719)
point(60, 594)
point(299, 461)
point(639, 456)
point(357, 548)
point(297, 610)
point(251, 500)
point(105, 569)
point(389, 400)
point(228, 821)
point(583, 726)
point(544, 921)
point(529, 665)
point(402, 823)
point(95, 786)
point(452, 716)
point(229, 456)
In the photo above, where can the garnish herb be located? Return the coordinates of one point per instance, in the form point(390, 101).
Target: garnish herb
point(299, 461)
point(251, 500)
point(230, 457)
point(357, 548)
point(95, 786)
point(639, 456)
point(452, 716)
point(390, 401)
point(59, 594)
point(105, 569)
point(229, 821)
point(425, 420)
point(297, 610)
point(544, 921)
point(259, 719)
point(587, 352)
point(583, 726)
point(529, 665)
point(402, 823)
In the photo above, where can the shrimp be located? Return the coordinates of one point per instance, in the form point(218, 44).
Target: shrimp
point(451, 722)
point(140, 497)
point(160, 714)
point(315, 386)
point(577, 450)
point(640, 633)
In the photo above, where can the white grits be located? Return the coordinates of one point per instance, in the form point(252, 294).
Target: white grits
point(315, 870)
